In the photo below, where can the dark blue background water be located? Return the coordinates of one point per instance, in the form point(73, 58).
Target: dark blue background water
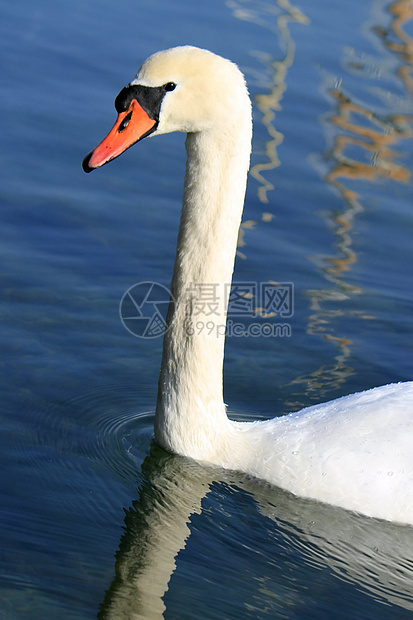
point(329, 208)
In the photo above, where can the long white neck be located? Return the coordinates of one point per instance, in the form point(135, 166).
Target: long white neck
point(190, 413)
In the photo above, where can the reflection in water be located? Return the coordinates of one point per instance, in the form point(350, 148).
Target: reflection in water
point(374, 555)
point(365, 148)
point(269, 103)
point(275, 17)
point(156, 529)
point(397, 41)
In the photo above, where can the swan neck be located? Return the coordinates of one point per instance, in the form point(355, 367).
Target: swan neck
point(190, 414)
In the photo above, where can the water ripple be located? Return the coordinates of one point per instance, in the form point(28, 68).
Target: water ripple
point(83, 446)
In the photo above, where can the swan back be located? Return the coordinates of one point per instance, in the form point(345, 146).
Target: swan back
point(354, 452)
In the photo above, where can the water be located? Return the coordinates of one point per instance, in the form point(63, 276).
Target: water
point(328, 208)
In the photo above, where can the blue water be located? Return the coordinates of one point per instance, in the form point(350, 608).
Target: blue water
point(95, 518)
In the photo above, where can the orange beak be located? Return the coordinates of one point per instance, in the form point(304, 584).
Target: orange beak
point(130, 126)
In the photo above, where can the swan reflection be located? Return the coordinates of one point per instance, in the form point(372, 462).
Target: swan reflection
point(375, 556)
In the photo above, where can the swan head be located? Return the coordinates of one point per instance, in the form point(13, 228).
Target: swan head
point(183, 89)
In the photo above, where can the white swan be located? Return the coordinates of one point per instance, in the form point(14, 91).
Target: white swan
point(355, 452)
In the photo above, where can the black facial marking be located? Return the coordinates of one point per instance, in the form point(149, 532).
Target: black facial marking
point(124, 99)
point(149, 98)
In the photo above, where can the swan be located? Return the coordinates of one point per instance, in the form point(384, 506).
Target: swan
point(355, 452)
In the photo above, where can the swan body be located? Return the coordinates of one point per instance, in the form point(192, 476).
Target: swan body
point(355, 452)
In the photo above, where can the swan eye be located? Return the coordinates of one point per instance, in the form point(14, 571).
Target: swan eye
point(170, 86)
point(125, 122)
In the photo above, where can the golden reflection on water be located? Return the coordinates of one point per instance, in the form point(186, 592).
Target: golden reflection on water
point(366, 147)
point(401, 44)
point(376, 140)
point(269, 103)
point(276, 17)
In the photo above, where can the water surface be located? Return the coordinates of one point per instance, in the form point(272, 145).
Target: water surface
point(328, 209)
